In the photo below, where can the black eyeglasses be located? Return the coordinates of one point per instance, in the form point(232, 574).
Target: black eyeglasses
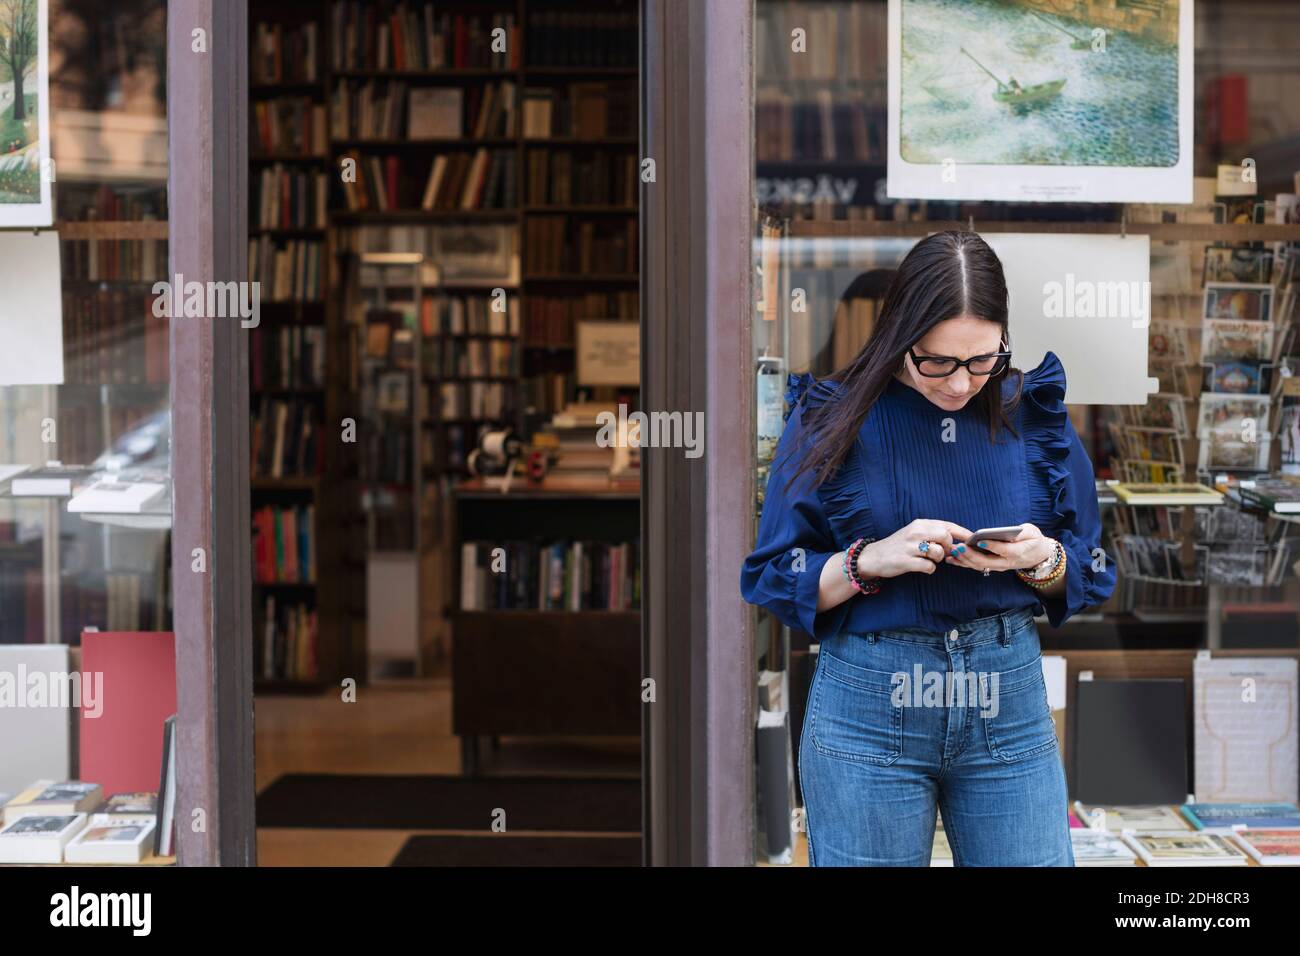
point(941, 366)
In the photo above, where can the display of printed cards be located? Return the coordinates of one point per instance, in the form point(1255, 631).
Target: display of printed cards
point(1225, 816)
point(1185, 849)
point(1236, 339)
point(1100, 848)
point(112, 838)
point(1133, 818)
point(1236, 377)
point(39, 839)
point(1270, 847)
point(1238, 300)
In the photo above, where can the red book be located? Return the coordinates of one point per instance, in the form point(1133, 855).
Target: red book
point(134, 674)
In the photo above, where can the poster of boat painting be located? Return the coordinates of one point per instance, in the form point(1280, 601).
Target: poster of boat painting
point(25, 168)
point(1040, 100)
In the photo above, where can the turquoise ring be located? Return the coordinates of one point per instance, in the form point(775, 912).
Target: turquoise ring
point(923, 547)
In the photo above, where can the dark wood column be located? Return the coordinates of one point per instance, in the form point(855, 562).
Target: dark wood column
point(207, 107)
point(696, 287)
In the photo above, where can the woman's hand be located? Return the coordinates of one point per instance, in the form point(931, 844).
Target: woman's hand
point(1029, 548)
point(901, 552)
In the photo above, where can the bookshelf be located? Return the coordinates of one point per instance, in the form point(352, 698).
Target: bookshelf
point(571, 671)
point(548, 125)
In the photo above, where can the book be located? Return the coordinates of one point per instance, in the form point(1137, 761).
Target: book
point(131, 804)
point(46, 797)
point(119, 744)
point(1270, 847)
point(55, 480)
point(1225, 816)
point(1132, 493)
point(112, 495)
point(1130, 741)
point(1245, 745)
point(1100, 848)
point(435, 113)
point(39, 838)
point(1185, 849)
point(37, 740)
point(1278, 494)
point(1119, 818)
point(941, 852)
point(165, 817)
point(112, 838)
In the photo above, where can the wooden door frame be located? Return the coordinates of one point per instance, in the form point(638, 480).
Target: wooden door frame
point(698, 514)
point(207, 189)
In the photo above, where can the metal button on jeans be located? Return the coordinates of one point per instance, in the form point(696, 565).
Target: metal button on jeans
point(952, 635)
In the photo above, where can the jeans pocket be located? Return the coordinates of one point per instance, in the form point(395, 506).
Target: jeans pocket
point(1019, 723)
point(853, 717)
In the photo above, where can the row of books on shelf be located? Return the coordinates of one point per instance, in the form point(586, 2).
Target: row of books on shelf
point(287, 356)
point(420, 37)
point(587, 110)
point(548, 392)
point(453, 358)
point(552, 320)
point(287, 640)
point(474, 400)
point(114, 260)
point(563, 245)
point(285, 54)
point(73, 822)
point(284, 197)
point(90, 202)
point(388, 455)
point(604, 37)
point(284, 544)
point(292, 126)
point(287, 271)
point(787, 129)
point(469, 315)
point(285, 439)
point(596, 177)
point(391, 109)
point(843, 42)
point(550, 576)
point(111, 336)
point(485, 180)
point(453, 181)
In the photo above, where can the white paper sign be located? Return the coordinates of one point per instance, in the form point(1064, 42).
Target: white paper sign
point(1088, 299)
point(1245, 730)
point(31, 309)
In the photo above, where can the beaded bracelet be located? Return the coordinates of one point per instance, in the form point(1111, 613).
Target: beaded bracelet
point(1054, 575)
point(869, 586)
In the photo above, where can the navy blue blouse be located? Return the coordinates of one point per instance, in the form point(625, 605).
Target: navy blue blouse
point(913, 460)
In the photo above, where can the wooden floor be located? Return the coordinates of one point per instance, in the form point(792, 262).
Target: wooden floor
point(394, 727)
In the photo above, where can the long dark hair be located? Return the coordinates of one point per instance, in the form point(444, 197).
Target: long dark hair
point(945, 275)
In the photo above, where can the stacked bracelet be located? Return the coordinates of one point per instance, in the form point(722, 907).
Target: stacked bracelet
point(865, 586)
point(1048, 577)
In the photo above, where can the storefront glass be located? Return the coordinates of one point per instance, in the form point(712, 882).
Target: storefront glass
point(1212, 575)
point(85, 510)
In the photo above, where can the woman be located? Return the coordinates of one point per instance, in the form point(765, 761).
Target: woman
point(928, 690)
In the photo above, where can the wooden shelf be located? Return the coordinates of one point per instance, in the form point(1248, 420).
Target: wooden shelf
point(584, 210)
point(1158, 231)
point(104, 229)
point(429, 215)
point(299, 483)
point(452, 142)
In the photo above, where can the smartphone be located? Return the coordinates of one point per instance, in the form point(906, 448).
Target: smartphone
point(994, 534)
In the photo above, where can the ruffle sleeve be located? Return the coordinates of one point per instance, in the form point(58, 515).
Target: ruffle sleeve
point(1063, 491)
point(843, 495)
point(783, 572)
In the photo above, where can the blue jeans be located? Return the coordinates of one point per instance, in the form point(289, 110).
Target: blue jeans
point(968, 730)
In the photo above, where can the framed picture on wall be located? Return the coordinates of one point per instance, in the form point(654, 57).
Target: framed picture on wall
point(25, 169)
point(1030, 102)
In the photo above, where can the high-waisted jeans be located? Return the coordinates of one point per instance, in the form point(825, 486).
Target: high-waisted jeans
point(969, 730)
